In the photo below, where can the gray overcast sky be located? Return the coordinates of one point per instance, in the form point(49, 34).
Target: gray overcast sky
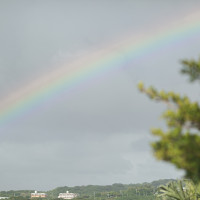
point(98, 134)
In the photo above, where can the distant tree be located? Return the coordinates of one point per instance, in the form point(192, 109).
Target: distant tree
point(180, 143)
point(19, 198)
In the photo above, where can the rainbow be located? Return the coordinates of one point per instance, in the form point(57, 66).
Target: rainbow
point(99, 62)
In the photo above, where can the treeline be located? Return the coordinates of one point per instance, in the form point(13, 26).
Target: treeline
point(117, 191)
point(16, 193)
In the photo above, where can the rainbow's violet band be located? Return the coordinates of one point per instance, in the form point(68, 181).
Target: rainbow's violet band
point(73, 74)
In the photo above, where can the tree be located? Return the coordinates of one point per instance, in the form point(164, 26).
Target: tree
point(180, 144)
point(179, 190)
point(173, 190)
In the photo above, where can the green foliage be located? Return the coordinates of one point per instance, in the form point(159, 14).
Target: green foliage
point(180, 144)
point(116, 191)
point(179, 190)
point(87, 190)
point(16, 193)
point(18, 198)
point(191, 68)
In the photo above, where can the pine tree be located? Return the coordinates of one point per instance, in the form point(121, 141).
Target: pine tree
point(180, 143)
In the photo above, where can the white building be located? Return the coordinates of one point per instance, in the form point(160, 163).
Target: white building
point(4, 197)
point(37, 195)
point(67, 195)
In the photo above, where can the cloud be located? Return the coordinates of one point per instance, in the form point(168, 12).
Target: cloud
point(97, 133)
